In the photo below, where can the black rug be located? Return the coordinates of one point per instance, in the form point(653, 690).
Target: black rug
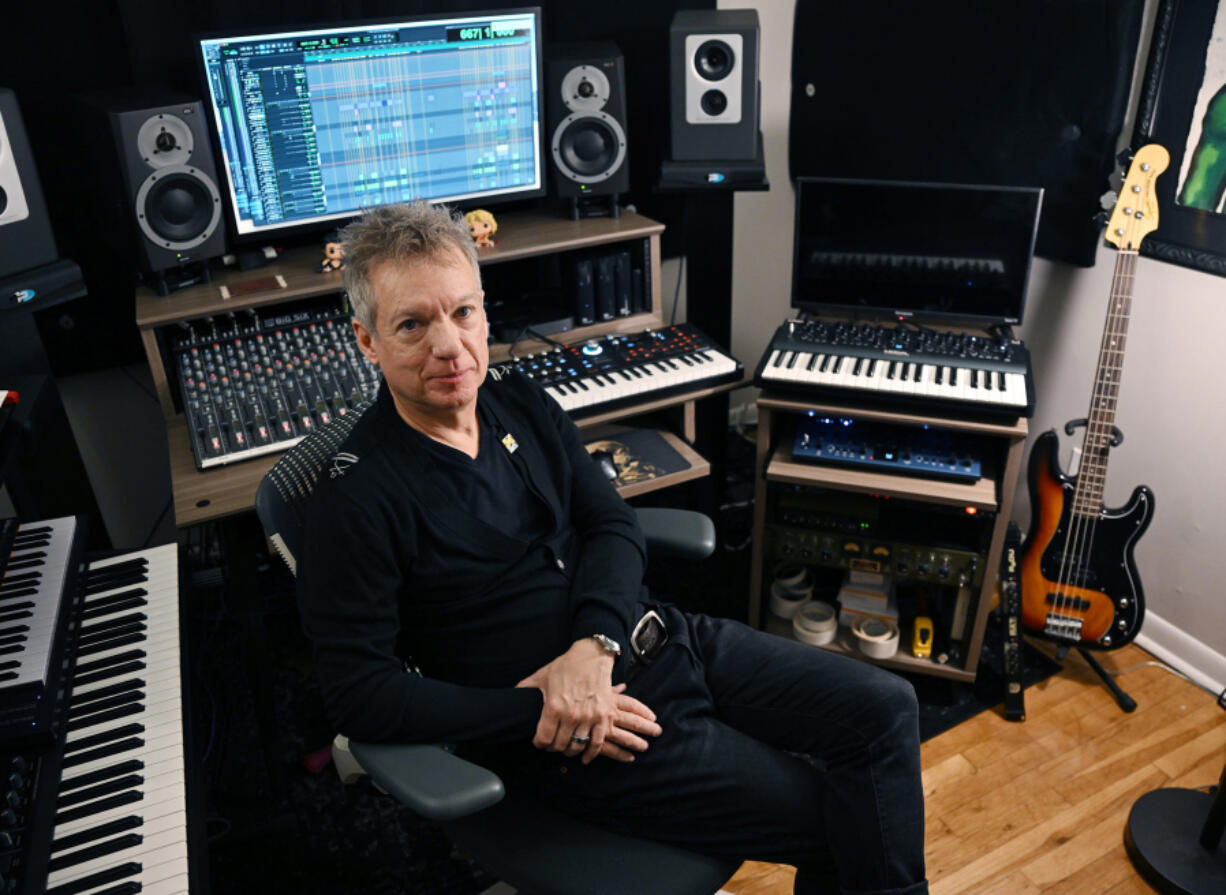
point(944, 704)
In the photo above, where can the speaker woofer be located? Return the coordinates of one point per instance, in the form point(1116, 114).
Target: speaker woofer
point(178, 207)
point(714, 60)
point(589, 148)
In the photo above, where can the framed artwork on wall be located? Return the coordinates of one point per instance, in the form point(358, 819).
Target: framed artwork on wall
point(1183, 107)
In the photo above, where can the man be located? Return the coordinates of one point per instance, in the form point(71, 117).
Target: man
point(474, 537)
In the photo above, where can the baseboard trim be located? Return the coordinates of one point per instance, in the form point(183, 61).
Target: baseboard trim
point(1183, 651)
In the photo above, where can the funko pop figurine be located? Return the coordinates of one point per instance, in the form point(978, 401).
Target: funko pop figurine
point(334, 253)
point(482, 227)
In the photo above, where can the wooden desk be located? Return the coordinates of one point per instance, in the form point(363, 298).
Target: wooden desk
point(202, 495)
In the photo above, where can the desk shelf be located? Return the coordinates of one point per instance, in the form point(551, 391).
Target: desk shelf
point(224, 490)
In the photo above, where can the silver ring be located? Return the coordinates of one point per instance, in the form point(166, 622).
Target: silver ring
point(582, 741)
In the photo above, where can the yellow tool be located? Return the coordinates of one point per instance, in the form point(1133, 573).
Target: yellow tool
point(921, 637)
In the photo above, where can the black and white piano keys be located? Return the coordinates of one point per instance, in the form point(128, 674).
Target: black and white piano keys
point(644, 379)
point(898, 376)
point(121, 819)
point(30, 600)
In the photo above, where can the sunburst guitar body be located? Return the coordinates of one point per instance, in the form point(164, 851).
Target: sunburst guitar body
point(1079, 580)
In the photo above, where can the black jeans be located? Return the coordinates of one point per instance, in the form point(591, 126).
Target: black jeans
point(772, 750)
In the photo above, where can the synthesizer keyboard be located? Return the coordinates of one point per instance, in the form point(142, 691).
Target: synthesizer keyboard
point(913, 369)
point(37, 581)
point(619, 370)
point(105, 808)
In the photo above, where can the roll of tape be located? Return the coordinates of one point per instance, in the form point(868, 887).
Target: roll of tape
point(877, 638)
point(784, 601)
point(815, 623)
point(793, 576)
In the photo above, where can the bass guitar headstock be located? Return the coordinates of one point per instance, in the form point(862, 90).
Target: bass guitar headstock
point(1136, 212)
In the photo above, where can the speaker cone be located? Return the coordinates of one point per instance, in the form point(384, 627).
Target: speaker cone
point(714, 102)
point(714, 59)
point(178, 207)
point(589, 148)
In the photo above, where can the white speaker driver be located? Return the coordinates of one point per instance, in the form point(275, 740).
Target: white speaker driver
point(178, 207)
point(165, 140)
point(585, 89)
point(588, 147)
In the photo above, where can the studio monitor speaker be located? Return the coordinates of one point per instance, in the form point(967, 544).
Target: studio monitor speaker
point(713, 79)
point(585, 115)
point(165, 188)
point(26, 239)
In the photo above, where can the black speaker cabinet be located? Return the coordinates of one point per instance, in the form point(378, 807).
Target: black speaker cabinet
point(586, 119)
point(715, 98)
point(26, 239)
point(163, 200)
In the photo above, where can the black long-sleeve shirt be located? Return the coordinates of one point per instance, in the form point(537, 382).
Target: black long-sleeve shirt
point(392, 571)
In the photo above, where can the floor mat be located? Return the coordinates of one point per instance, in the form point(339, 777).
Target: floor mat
point(945, 704)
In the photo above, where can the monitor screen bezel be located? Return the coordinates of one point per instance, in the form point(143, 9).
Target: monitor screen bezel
point(907, 313)
point(272, 233)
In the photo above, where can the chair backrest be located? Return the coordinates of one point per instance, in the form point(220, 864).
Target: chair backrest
point(286, 489)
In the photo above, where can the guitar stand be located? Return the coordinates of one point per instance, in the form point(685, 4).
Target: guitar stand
point(1126, 702)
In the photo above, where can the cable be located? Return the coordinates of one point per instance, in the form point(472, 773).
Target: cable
point(153, 531)
point(1220, 697)
point(672, 317)
point(544, 338)
point(140, 385)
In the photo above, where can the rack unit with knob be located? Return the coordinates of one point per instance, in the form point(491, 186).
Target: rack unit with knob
point(776, 471)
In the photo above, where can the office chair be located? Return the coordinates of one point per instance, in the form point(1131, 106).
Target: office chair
point(525, 843)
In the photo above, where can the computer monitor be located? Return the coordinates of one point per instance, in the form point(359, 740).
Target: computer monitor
point(941, 251)
point(316, 124)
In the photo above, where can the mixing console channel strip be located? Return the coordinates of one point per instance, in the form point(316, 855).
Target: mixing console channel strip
point(254, 384)
point(845, 441)
point(620, 370)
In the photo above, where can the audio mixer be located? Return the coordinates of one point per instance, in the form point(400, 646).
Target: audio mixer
point(253, 384)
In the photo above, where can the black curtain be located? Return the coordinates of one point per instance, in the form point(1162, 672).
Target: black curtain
point(1027, 94)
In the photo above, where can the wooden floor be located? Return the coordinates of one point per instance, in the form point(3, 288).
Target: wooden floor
point(1040, 806)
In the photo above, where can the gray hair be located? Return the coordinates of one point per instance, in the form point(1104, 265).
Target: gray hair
point(406, 232)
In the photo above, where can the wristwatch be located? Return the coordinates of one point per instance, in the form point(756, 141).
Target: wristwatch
point(608, 644)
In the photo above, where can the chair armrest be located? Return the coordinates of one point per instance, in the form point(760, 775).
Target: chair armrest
point(429, 780)
point(684, 534)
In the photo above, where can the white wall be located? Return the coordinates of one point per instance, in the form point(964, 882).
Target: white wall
point(1172, 401)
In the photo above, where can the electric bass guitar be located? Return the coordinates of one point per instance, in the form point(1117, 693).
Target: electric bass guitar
point(1079, 581)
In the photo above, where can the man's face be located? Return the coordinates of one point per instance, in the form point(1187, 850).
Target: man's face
point(430, 333)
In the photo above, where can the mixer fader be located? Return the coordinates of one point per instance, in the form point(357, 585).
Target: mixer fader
point(256, 383)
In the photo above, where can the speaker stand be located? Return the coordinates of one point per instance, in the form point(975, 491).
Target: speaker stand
point(1174, 836)
point(166, 281)
point(595, 207)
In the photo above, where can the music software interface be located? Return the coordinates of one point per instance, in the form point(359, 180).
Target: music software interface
point(317, 125)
